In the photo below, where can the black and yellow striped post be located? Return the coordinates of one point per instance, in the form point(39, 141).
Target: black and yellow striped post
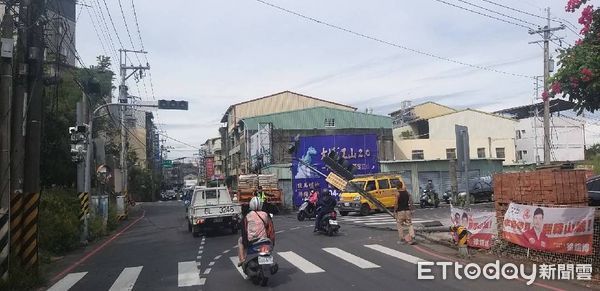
point(462, 234)
point(4, 243)
point(30, 230)
point(84, 202)
point(16, 223)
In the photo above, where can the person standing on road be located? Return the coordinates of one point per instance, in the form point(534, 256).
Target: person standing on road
point(403, 210)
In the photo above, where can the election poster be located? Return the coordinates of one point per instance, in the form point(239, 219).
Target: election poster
point(481, 225)
point(557, 230)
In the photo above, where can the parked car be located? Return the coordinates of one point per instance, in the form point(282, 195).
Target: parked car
point(480, 190)
point(593, 187)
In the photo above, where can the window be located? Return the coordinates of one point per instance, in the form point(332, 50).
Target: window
point(209, 194)
point(481, 153)
point(395, 183)
point(418, 155)
point(451, 154)
point(383, 184)
point(500, 153)
point(370, 186)
point(329, 122)
point(521, 155)
point(518, 134)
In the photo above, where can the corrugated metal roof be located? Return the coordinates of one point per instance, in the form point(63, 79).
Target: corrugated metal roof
point(314, 118)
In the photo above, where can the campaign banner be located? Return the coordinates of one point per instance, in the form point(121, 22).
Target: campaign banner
point(480, 224)
point(556, 230)
point(360, 150)
point(209, 165)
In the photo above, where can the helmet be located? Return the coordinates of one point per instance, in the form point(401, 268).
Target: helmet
point(325, 192)
point(255, 204)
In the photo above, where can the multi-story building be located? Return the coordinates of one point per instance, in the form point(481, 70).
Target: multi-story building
point(234, 135)
point(567, 134)
point(427, 132)
point(211, 160)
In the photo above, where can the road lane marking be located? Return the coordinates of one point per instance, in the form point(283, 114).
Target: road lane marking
point(279, 231)
point(217, 257)
point(211, 264)
point(235, 261)
point(226, 251)
point(394, 253)
point(187, 274)
point(350, 258)
point(365, 218)
point(301, 263)
point(126, 279)
point(207, 271)
point(67, 282)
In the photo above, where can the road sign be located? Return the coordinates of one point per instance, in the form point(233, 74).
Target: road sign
point(336, 181)
point(167, 164)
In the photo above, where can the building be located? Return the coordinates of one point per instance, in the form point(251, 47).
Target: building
point(567, 134)
point(416, 173)
point(234, 136)
point(427, 132)
point(364, 139)
point(211, 160)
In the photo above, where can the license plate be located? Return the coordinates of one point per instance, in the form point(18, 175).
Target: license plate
point(346, 204)
point(218, 220)
point(333, 222)
point(265, 260)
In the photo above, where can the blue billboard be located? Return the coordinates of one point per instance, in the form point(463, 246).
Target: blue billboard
point(360, 150)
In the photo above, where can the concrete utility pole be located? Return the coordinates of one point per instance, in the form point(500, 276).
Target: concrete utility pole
point(35, 35)
point(547, 35)
point(6, 55)
point(123, 98)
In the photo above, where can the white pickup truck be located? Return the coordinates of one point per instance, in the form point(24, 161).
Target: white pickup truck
point(212, 208)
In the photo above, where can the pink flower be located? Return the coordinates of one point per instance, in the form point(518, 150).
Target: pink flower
point(572, 5)
point(555, 88)
point(587, 74)
point(545, 96)
point(586, 19)
point(579, 41)
point(574, 82)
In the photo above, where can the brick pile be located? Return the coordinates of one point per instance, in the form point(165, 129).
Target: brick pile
point(547, 188)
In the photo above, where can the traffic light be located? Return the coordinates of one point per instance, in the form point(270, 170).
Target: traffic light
point(172, 104)
point(339, 165)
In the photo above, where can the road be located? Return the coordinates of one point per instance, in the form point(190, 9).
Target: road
point(158, 253)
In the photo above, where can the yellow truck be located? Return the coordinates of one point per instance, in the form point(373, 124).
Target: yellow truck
point(383, 187)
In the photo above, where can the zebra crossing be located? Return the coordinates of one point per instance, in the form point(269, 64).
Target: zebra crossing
point(379, 219)
point(187, 275)
point(308, 267)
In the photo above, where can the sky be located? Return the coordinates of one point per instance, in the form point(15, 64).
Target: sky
point(215, 53)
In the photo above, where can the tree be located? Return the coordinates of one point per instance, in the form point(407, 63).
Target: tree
point(592, 151)
point(60, 114)
point(578, 76)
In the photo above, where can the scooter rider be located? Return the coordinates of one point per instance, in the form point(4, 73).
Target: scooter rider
point(256, 226)
point(313, 198)
point(325, 204)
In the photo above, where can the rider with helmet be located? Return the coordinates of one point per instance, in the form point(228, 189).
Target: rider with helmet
point(257, 227)
point(325, 205)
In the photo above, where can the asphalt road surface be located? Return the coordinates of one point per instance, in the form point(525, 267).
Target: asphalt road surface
point(158, 253)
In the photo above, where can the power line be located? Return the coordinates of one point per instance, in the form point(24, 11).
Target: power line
point(514, 9)
point(482, 14)
point(391, 43)
point(496, 12)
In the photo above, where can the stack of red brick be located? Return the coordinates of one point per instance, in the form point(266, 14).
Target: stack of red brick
point(541, 187)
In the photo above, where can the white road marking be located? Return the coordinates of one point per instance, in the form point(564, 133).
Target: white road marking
point(198, 258)
point(279, 231)
point(350, 258)
point(201, 247)
point(67, 282)
point(294, 228)
point(235, 261)
point(211, 264)
point(394, 222)
point(366, 218)
point(301, 263)
point(207, 271)
point(126, 279)
point(187, 275)
point(226, 251)
point(217, 257)
point(394, 253)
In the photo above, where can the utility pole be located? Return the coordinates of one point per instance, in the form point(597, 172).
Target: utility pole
point(18, 117)
point(6, 55)
point(547, 35)
point(123, 98)
point(33, 137)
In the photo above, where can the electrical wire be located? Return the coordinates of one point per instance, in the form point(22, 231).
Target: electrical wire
point(496, 12)
point(390, 43)
point(482, 14)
